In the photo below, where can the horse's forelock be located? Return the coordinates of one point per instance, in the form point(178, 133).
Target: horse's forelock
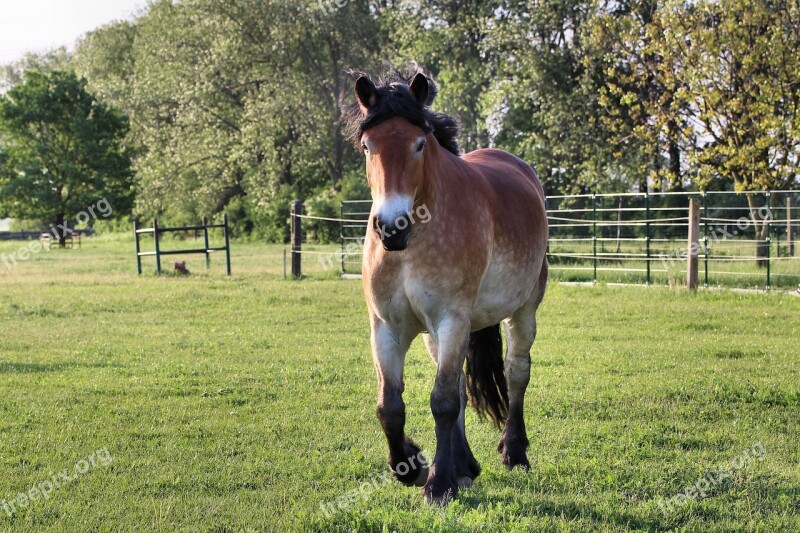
point(395, 100)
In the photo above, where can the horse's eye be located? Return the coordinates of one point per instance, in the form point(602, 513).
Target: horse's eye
point(421, 145)
point(364, 147)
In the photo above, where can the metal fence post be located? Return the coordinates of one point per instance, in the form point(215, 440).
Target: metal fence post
point(227, 242)
point(705, 239)
point(342, 231)
point(138, 247)
point(158, 247)
point(647, 231)
point(205, 238)
point(297, 237)
point(594, 236)
point(789, 229)
point(769, 245)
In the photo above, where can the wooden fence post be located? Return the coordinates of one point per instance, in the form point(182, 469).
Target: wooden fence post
point(297, 237)
point(789, 229)
point(694, 244)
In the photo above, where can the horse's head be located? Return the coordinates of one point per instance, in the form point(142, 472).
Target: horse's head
point(395, 130)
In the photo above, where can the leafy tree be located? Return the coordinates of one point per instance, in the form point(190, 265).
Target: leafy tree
point(104, 57)
point(543, 102)
point(62, 151)
point(13, 73)
point(637, 87)
point(452, 42)
point(738, 60)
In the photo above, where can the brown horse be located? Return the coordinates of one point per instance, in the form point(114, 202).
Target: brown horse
point(456, 246)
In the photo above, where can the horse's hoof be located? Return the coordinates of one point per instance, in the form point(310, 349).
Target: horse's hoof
point(512, 454)
point(440, 489)
point(512, 459)
point(441, 499)
point(465, 482)
point(413, 469)
point(522, 465)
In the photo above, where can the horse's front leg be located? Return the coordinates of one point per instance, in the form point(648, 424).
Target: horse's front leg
point(452, 337)
point(389, 347)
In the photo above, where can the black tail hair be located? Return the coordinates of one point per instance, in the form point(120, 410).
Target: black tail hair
point(486, 379)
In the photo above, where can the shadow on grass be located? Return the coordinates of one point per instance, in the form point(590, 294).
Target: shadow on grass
point(571, 510)
point(36, 368)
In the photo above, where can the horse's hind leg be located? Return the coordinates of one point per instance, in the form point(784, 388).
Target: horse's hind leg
point(521, 332)
point(467, 467)
point(389, 349)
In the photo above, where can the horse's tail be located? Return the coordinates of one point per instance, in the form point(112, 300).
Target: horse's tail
point(486, 379)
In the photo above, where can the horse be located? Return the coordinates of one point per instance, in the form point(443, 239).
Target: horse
point(455, 246)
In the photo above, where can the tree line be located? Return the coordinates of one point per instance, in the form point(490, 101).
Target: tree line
point(236, 106)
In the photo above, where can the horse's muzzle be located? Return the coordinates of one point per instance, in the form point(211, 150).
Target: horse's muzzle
point(393, 233)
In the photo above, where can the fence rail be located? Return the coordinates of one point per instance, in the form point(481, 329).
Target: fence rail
point(745, 240)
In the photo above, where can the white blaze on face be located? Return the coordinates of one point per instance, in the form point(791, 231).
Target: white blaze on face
point(391, 208)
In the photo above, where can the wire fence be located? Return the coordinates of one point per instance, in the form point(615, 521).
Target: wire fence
point(746, 240)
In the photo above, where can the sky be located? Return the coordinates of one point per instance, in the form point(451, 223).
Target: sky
point(39, 25)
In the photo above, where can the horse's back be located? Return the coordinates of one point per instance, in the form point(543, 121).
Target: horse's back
point(506, 172)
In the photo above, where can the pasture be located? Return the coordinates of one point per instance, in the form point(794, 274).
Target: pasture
point(247, 404)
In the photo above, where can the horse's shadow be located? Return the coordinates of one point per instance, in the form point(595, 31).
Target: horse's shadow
point(571, 510)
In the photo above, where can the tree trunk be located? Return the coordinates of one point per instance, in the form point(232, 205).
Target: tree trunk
point(674, 151)
point(761, 226)
point(61, 230)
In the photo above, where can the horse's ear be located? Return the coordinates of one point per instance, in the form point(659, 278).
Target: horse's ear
point(366, 93)
point(419, 88)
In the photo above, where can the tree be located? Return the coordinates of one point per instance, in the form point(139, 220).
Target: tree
point(739, 61)
point(638, 89)
point(62, 151)
point(13, 73)
point(451, 42)
point(544, 103)
point(104, 57)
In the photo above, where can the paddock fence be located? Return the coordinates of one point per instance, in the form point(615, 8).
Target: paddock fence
point(745, 240)
point(156, 232)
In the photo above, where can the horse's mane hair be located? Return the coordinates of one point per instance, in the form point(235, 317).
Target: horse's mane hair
point(394, 100)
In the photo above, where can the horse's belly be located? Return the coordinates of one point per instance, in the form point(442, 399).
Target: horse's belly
point(503, 290)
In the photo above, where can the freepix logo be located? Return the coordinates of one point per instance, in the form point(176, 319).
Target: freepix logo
point(43, 489)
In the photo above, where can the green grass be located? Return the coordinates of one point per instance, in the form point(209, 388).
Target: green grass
point(242, 404)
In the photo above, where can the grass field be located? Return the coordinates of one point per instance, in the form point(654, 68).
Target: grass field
point(247, 404)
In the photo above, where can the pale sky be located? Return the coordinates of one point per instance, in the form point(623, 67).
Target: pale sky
point(39, 25)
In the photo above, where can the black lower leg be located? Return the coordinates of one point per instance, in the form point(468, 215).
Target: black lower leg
point(405, 458)
point(467, 467)
point(442, 483)
point(514, 441)
point(465, 463)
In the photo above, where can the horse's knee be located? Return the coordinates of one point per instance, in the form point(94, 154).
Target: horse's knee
point(391, 413)
point(445, 399)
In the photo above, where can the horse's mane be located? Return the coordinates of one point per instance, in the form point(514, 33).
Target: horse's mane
point(394, 100)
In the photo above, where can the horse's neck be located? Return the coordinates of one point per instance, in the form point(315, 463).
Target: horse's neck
point(444, 175)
